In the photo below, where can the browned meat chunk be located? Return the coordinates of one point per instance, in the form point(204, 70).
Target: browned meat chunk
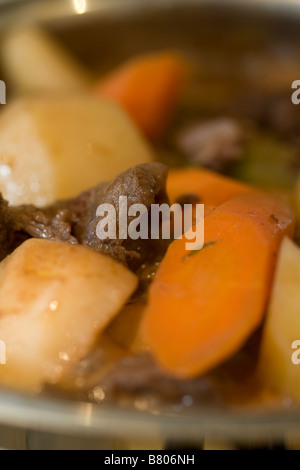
point(213, 144)
point(52, 224)
point(143, 184)
point(136, 377)
point(7, 236)
point(75, 220)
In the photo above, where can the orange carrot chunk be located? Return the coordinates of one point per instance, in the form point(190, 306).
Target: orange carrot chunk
point(148, 88)
point(204, 304)
point(211, 188)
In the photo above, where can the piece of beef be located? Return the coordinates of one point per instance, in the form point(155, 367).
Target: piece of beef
point(131, 379)
point(139, 377)
point(213, 144)
point(58, 221)
point(144, 184)
point(47, 223)
point(7, 235)
point(75, 220)
point(80, 207)
point(19, 223)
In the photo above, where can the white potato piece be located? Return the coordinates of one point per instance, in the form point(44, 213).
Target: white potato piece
point(34, 62)
point(55, 299)
point(282, 326)
point(53, 148)
point(126, 329)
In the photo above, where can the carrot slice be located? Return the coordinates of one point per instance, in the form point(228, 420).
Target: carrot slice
point(211, 188)
point(147, 87)
point(204, 304)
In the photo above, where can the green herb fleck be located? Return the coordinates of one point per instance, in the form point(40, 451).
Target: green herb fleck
point(194, 252)
point(273, 217)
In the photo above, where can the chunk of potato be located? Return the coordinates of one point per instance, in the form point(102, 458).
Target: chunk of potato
point(55, 298)
point(282, 326)
point(126, 329)
point(34, 62)
point(54, 148)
